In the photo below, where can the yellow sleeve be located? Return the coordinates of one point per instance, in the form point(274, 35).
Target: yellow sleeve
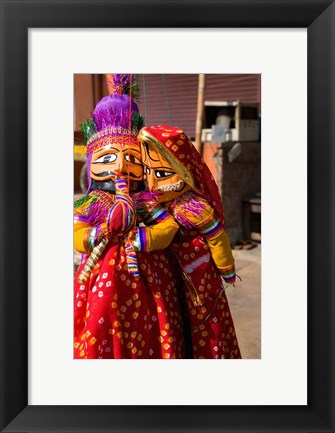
point(157, 236)
point(211, 229)
point(221, 252)
point(87, 237)
point(82, 229)
point(81, 232)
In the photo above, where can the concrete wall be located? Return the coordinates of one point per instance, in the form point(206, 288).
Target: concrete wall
point(240, 179)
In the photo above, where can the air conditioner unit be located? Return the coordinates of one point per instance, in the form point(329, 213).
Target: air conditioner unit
point(240, 119)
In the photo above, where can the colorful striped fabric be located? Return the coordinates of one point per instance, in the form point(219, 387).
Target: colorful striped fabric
point(90, 239)
point(94, 235)
point(142, 239)
point(92, 260)
point(121, 186)
point(158, 215)
point(229, 274)
point(211, 227)
point(131, 259)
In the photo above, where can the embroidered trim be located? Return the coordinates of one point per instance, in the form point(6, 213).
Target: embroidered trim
point(131, 259)
point(229, 274)
point(100, 142)
point(111, 131)
point(92, 260)
point(158, 215)
point(142, 235)
point(229, 280)
point(211, 228)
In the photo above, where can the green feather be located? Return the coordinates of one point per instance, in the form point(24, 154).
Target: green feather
point(135, 89)
point(137, 121)
point(88, 128)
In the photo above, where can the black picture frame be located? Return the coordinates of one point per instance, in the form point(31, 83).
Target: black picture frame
point(16, 18)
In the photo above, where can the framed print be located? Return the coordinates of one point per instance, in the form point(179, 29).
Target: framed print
point(157, 323)
point(132, 408)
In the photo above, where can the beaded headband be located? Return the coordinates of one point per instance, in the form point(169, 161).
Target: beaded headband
point(112, 135)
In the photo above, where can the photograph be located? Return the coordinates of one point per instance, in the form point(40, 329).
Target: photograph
point(167, 216)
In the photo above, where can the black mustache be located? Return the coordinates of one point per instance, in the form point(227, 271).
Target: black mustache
point(111, 173)
point(109, 186)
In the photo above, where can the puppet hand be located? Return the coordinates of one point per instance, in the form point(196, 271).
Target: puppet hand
point(121, 185)
point(121, 217)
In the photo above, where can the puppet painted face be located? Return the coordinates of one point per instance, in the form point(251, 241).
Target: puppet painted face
point(114, 158)
point(161, 177)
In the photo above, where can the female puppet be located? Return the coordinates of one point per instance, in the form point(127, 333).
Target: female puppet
point(119, 308)
point(185, 185)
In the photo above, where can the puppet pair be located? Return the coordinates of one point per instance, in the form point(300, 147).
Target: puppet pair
point(157, 259)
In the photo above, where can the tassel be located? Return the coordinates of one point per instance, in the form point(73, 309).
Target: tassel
point(131, 259)
point(92, 260)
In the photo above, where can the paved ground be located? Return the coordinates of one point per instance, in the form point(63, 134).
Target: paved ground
point(245, 302)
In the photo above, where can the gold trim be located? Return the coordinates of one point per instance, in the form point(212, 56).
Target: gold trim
point(145, 136)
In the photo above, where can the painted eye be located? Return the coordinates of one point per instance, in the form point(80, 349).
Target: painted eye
point(161, 174)
point(106, 159)
point(132, 159)
point(147, 170)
